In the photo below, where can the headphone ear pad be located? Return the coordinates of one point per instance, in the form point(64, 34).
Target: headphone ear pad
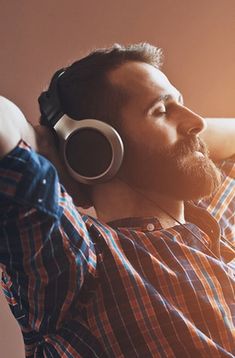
point(89, 152)
point(93, 150)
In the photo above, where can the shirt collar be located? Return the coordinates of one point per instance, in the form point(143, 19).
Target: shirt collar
point(194, 214)
point(148, 224)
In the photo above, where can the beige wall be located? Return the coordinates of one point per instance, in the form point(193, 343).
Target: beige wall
point(37, 37)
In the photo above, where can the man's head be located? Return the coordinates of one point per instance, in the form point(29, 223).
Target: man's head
point(124, 87)
point(163, 150)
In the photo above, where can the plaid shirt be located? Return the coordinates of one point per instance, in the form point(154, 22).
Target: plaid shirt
point(81, 288)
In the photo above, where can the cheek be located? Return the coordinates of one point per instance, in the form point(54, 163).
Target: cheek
point(143, 136)
point(151, 138)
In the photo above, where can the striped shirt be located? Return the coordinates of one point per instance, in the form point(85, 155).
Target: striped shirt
point(82, 288)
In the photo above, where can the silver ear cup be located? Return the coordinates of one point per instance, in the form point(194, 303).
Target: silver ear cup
point(92, 150)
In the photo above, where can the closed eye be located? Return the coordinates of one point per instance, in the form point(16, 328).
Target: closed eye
point(159, 110)
point(160, 105)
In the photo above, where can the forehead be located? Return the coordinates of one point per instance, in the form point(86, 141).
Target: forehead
point(142, 81)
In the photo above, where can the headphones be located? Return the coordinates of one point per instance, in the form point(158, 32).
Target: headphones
point(92, 150)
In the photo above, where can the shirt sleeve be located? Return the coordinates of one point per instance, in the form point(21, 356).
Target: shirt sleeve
point(46, 252)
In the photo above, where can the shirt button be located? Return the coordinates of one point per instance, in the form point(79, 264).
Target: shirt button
point(150, 227)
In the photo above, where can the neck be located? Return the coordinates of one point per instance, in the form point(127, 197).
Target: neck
point(116, 200)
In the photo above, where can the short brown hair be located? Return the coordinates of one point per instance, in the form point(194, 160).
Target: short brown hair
point(86, 92)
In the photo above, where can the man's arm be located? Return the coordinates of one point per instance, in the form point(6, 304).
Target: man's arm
point(45, 248)
point(13, 127)
point(220, 137)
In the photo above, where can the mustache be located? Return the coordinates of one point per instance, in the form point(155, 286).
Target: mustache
point(187, 146)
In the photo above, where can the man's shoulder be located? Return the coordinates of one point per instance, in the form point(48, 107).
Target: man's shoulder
point(227, 167)
point(221, 205)
point(226, 189)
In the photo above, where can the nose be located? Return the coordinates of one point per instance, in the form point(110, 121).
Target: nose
point(190, 122)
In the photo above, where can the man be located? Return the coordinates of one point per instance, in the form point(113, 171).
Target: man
point(152, 276)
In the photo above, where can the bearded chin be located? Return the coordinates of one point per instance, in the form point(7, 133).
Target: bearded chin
point(188, 178)
point(183, 172)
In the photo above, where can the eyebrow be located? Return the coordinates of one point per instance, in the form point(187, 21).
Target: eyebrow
point(164, 98)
